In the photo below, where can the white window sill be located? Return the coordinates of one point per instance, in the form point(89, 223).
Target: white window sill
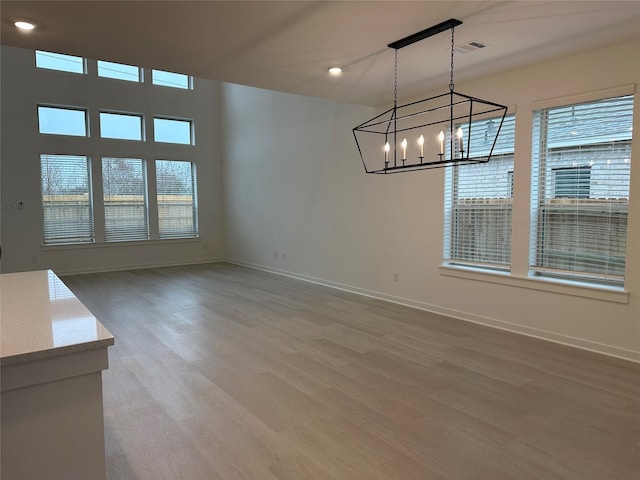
point(579, 289)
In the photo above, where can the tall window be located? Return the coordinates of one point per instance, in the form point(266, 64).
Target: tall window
point(478, 200)
point(177, 213)
point(580, 190)
point(125, 199)
point(66, 199)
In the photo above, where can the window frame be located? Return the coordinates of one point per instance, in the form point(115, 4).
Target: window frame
point(139, 79)
point(85, 111)
point(140, 116)
point(495, 207)
point(83, 62)
point(89, 225)
point(189, 79)
point(193, 232)
point(188, 121)
point(130, 234)
point(542, 202)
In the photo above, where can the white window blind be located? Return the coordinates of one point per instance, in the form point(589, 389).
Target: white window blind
point(125, 199)
point(177, 211)
point(478, 200)
point(66, 199)
point(580, 190)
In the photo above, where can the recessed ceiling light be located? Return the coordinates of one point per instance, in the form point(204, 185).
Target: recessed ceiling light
point(335, 71)
point(22, 25)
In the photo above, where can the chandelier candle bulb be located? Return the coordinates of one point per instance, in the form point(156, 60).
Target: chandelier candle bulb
point(441, 140)
point(421, 144)
point(387, 147)
point(404, 149)
point(459, 134)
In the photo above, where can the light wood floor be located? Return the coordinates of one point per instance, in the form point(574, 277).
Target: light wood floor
point(222, 372)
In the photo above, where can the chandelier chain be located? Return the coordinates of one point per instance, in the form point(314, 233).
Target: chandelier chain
point(452, 47)
point(395, 80)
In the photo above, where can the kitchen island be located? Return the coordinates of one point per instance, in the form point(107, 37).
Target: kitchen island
point(52, 353)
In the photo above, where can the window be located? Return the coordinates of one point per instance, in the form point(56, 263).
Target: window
point(168, 79)
point(572, 182)
point(125, 199)
point(171, 130)
point(66, 199)
point(118, 71)
point(120, 125)
point(58, 61)
point(62, 121)
point(177, 213)
point(478, 200)
point(580, 190)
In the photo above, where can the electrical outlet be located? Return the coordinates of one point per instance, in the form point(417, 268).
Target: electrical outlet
point(275, 255)
point(396, 277)
point(284, 256)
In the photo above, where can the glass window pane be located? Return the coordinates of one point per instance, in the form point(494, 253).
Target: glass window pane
point(125, 199)
point(59, 61)
point(118, 71)
point(66, 199)
point(580, 190)
point(478, 200)
point(62, 121)
point(121, 126)
point(168, 79)
point(172, 131)
point(177, 214)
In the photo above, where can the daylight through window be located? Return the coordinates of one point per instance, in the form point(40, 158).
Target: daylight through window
point(580, 190)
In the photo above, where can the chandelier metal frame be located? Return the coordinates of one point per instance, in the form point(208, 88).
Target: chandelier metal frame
point(450, 110)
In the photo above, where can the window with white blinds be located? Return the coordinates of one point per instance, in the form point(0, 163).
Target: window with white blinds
point(66, 199)
point(580, 190)
point(478, 200)
point(125, 199)
point(177, 210)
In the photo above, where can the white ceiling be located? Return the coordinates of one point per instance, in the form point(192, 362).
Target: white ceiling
point(288, 46)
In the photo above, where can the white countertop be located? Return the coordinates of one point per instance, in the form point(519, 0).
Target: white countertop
point(41, 318)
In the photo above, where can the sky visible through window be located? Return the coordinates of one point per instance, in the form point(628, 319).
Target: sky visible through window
point(121, 126)
point(118, 71)
point(62, 121)
point(168, 79)
point(172, 131)
point(59, 61)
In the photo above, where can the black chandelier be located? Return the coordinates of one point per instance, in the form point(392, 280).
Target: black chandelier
point(383, 139)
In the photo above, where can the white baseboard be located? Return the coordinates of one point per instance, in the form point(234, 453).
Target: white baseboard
point(80, 271)
point(580, 343)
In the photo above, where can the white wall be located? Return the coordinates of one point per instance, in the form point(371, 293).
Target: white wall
point(294, 185)
point(23, 87)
